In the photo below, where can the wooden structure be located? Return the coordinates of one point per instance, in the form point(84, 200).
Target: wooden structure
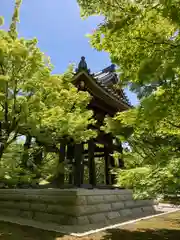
point(106, 100)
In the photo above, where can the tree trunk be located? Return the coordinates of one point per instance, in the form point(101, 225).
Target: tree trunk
point(58, 181)
point(25, 156)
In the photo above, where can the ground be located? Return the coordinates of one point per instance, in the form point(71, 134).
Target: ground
point(166, 227)
point(172, 200)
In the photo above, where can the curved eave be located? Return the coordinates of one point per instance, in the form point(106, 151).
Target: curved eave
point(98, 91)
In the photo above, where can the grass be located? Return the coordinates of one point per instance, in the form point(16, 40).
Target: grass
point(166, 227)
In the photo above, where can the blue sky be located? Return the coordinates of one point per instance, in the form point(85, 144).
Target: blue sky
point(60, 31)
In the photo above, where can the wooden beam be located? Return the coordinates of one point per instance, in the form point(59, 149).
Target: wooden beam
point(96, 150)
point(95, 156)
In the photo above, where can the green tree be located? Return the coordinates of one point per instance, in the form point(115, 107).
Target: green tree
point(142, 38)
point(1, 20)
point(152, 131)
point(32, 100)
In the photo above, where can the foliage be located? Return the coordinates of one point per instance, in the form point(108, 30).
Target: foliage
point(33, 98)
point(11, 172)
point(150, 180)
point(34, 101)
point(152, 131)
point(142, 38)
point(1, 20)
point(45, 108)
point(15, 19)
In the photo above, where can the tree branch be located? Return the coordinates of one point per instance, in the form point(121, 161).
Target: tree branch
point(158, 43)
point(172, 124)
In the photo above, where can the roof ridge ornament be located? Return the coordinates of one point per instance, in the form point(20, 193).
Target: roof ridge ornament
point(111, 68)
point(82, 66)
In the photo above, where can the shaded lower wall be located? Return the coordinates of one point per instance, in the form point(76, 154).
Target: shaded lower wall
point(72, 207)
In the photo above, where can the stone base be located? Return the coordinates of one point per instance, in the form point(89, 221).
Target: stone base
point(73, 206)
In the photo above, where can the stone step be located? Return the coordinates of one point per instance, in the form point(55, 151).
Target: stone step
point(82, 220)
point(73, 207)
point(121, 214)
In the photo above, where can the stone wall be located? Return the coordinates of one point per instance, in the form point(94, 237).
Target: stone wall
point(73, 206)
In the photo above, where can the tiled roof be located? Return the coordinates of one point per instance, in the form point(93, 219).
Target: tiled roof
point(106, 79)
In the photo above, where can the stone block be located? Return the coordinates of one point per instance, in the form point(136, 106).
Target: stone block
point(81, 200)
point(124, 197)
point(96, 192)
point(82, 220)
point(97, 218)
point(103, 207)
point(117, 205)
point(113, 215)
point(22, 205)
point(48, 199)
point(95, 199)
point(72, 210)
point(148, 202)
point(8, 204)
point(85, 210)
point(110, 198)
point(137, 211)
point(9, 212)
point(69, 220)
point(26, 214)
point(139, 203)
point(144, 203)
point(47, 217)
point(120, 197)
point(11, 197)
point(130, 204)
point(128, 197)
point(148, 209)
point(93, 192)
point(53, 192)
point(40, 207)
point(125, 212)
point(58, 199)
point(53, 208)
point(124, 191)
point(31, 198)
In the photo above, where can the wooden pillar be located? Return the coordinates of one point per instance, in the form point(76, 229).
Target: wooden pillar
point(25, 155)
point(121, 163)
point(112, 163)
point(38, 156)
point(82, 171)
point(106, 159)
point(62, 156)
point(91, 163)
point(70, 179)
point(78, 157)
point(112, 160)
point(120, 150)
point(70, 156)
